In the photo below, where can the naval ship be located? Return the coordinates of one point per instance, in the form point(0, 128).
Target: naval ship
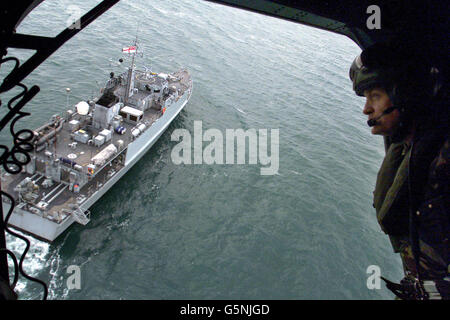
point(80, 154)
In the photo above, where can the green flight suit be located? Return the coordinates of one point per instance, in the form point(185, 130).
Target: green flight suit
point(391, 202)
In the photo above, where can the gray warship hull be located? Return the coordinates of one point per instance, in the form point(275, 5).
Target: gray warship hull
point(53, 202)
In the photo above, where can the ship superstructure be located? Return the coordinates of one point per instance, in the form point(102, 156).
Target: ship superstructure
point(80, 154)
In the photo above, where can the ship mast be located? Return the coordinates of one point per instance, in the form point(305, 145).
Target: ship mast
point(130, 74)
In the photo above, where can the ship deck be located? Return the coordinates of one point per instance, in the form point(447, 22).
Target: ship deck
point(50, 202)
point(83, 153)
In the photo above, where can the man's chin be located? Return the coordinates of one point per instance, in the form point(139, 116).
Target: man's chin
point(375, 131)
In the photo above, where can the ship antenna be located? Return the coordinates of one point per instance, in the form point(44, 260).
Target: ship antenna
point(137, 32)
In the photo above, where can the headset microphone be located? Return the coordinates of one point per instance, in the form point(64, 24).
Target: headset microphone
point(373, 122)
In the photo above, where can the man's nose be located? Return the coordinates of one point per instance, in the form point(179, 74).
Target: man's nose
point(367, 108)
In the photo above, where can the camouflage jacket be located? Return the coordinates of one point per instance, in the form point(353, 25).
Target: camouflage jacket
point(412, 201)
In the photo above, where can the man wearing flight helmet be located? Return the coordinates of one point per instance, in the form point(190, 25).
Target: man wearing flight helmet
point(406, 102)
